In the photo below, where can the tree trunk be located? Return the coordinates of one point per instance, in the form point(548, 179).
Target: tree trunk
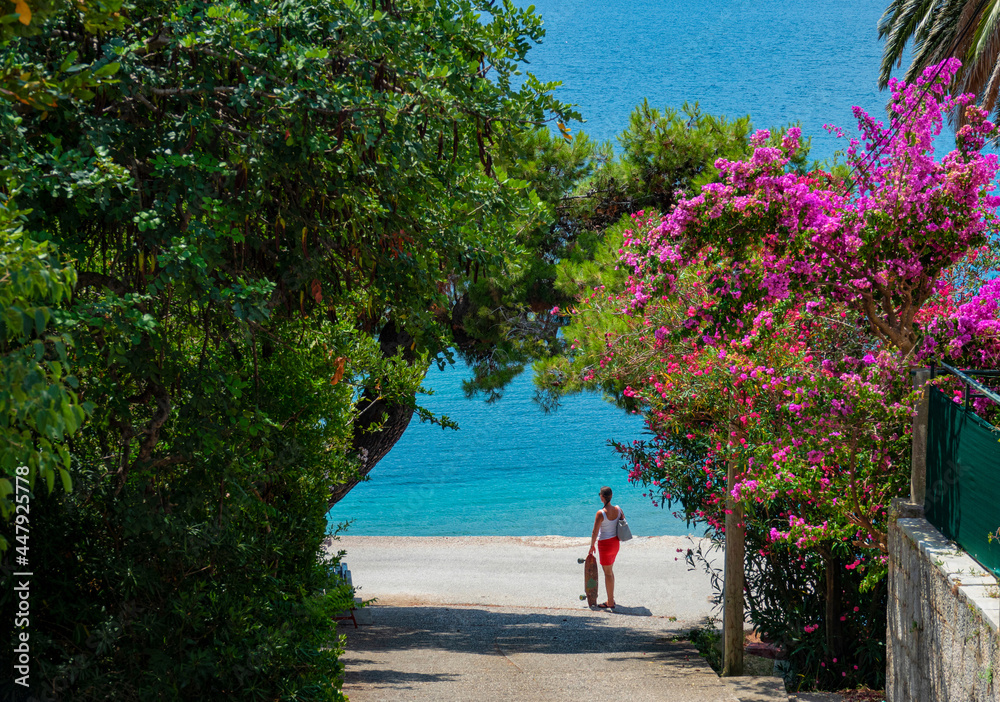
point(834, 634)
point(732, 620)
point(373, 445)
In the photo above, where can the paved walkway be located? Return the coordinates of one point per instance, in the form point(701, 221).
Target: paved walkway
point(481, 654)
point(499, 618)
point(483, 619)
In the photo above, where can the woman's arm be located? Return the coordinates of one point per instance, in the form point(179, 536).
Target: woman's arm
point(597, 530)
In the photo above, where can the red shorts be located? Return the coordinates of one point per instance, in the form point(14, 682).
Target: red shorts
point(607, 549)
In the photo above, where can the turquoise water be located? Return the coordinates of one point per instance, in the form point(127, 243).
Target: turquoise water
point(510, 469)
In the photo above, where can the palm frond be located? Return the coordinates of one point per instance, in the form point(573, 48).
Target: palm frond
point(990, 92)
point(946, 32)
point(959, 46)
point(898, 23)
point(952, 33)
point(984, 77)
point(939, 29)
point(981, 54)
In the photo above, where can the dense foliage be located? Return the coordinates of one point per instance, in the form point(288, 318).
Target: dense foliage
point(230, 253)
point(512, 312)
point(770, 320)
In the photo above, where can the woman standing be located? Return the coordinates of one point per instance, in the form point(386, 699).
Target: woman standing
point(606, 537)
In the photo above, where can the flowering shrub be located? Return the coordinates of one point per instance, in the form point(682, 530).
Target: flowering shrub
point(771, 320)
point(970, 334)
point(879, 251)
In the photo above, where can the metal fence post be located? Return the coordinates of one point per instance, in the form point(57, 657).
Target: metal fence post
point(918, 451)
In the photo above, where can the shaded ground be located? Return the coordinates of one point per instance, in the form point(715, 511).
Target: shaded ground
point(483, 619)
point(458, 653)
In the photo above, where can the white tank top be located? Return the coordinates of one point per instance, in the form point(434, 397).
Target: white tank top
point(609, 527)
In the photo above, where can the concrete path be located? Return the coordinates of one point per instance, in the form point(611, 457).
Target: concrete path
point(481, 654)
point(499, 618)
point(483, 619)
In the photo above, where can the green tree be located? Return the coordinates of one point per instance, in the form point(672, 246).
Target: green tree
point(33, 86)
point(511, 313)
point(267, 207)
point(661, 153)
point(328, 165)
point(502, 317)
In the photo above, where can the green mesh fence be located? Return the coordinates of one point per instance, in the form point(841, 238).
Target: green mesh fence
point(963, 478)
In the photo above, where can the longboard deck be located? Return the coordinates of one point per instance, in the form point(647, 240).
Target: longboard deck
point(590, 580)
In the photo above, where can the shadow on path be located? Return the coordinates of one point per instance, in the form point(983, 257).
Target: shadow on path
point(455, 653)
point(631, 611)
point(470, 629)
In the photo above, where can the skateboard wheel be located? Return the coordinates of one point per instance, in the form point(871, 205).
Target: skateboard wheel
point(583, 597)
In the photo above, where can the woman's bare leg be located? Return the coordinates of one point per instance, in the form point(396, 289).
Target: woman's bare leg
point(609, 583)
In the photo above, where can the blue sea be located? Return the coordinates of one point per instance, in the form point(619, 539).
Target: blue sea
point(511, 469)
point(778, 61)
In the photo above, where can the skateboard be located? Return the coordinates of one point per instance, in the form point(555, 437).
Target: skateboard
point(589, 579)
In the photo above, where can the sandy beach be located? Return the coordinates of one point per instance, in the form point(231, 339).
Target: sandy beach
point(525, 571)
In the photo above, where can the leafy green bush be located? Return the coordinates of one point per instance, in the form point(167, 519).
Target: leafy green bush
point(262, 210)
point(184, 593)
point(708, 641)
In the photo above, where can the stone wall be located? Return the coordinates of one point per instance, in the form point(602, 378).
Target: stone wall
point(944, 618)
